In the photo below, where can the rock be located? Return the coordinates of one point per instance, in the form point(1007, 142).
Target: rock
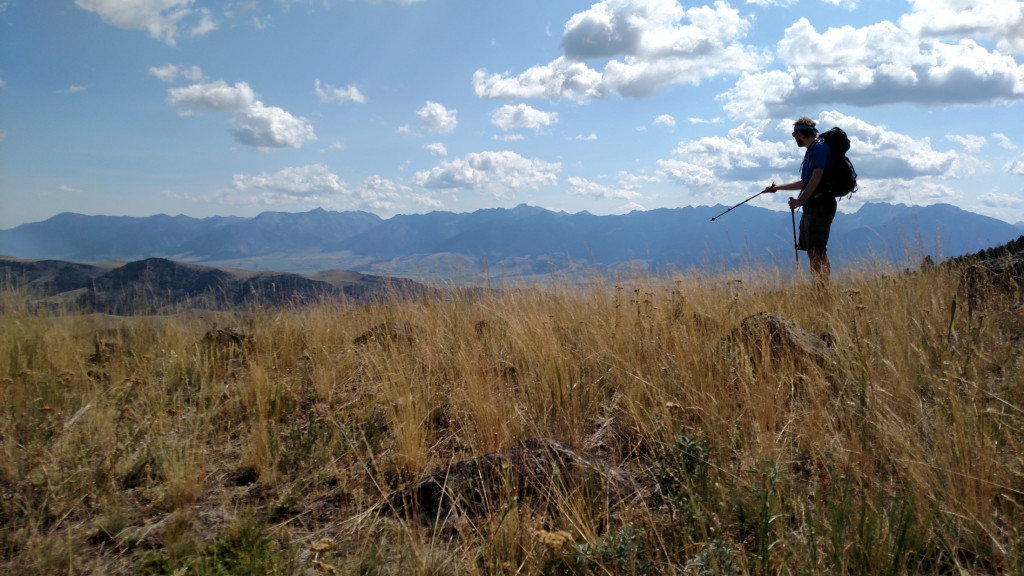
point(780, 337)
point(226, 337)
point(540, 471)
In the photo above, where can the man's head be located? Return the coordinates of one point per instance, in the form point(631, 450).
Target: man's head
point(804, 131)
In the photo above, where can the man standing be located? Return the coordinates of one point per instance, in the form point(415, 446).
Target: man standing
point(819, 206)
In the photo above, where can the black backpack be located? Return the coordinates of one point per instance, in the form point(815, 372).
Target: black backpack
point(841, 178)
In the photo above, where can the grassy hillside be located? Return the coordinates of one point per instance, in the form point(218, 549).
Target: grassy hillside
point(264, 442)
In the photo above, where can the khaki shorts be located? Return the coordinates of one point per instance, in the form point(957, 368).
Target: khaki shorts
point(816, 223)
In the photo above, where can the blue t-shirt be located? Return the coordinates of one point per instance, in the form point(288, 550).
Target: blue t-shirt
point(817, 156)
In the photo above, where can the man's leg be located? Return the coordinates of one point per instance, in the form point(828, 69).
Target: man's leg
point(821, 267)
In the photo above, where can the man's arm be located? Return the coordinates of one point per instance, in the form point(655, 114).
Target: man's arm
point(791, 186)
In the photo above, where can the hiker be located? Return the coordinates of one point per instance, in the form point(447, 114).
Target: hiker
point(819, 206)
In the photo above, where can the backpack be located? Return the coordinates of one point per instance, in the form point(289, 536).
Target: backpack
point(841, 178)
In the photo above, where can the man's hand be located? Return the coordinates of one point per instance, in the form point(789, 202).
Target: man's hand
point(794, 204)
point(772, 188)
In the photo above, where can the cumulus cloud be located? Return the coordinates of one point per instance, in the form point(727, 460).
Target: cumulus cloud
point(880, 152)
point(970, 142)
point(744, 153)
point(998, 20)
point(495, 171)
point(999, 203)
point(161, 18)
point(875, 65)
point(747, 155)
point(255, 124)
point(1015, 167)
point(510, 117)
point(297, 181)
point(217, 95)
point(437, 149)
point(206, 24)
point(647, 44)
point(263, 126)
point(171, 72)
point(585, 187)
point(328, 93)
point(314, 185)
point(436, 118)
point(666, 120)
point(1004, 141)
point(559, 79)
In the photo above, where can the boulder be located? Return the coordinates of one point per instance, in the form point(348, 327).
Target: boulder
point(780, 338)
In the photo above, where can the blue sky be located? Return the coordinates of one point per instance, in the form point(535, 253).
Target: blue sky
point(139, 107)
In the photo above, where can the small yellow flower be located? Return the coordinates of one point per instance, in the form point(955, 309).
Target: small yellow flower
point(322, 545)
point(553, 540)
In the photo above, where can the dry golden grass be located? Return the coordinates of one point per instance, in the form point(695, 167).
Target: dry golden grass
point(136, 445)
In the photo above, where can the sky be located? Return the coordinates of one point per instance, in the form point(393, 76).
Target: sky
point(202, 108)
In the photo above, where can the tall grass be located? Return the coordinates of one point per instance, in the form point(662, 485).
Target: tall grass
point(146, 444)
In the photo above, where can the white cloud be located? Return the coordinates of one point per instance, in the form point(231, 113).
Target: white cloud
point(1004, 141)
point(379, 193)
point(328, 93)
point(255, 124)
point(780, 3)
point(215, 96)
point(666, 120)
point(1015, 166)
point(999, 20)
point(436, 149)
point(584, 187)
point(495, 171)
point(206, 24)
point(650, 29)
point(998, 203)
point(650, 44)
point(73, 89)
point(559, 79)
point(880, 152)
point(436, 118)
point(161, 18)
point(294, 181)
point(313, 185)
point(745, 155)
point(69, 190)
point(874, 65)
point(970, 142)
point(510, 117)
point(586, 137)
point(271, 127)
point(172, 72)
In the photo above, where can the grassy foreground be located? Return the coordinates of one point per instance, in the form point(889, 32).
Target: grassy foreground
point(157, 445)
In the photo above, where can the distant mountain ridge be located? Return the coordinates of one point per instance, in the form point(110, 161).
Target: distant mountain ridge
point(157, 285)
point(519, 241)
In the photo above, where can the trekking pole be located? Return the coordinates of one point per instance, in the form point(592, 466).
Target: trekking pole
point(796, 245)
point(742, 203)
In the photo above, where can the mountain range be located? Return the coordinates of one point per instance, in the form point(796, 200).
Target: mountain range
point(518, 242)
point(158, 285)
